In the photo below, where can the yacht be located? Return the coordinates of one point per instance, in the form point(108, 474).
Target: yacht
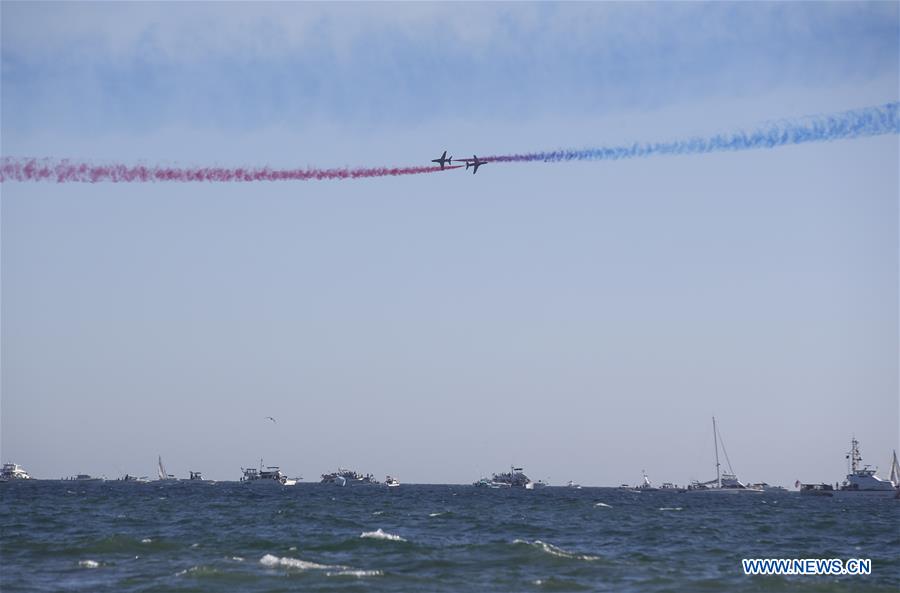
point(862, 479)
point(12, 472)
point(391, 482)
point(572, 484)
point(725, 483)
point(346, 477)
point(265, 476)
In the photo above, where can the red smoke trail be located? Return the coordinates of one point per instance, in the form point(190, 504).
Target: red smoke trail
point(64, 171)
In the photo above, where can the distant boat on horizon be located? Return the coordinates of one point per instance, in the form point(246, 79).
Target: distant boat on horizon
point(723, 482)
point(863, 481)
point(161, 472)
point(12, 472)
point(269, 475)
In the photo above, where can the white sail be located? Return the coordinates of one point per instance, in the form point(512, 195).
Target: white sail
point(895, 471)
point(161, 471)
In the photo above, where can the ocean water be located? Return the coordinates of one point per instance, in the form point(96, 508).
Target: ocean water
point(231, 537)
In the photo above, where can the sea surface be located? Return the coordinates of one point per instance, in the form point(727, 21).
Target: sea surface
point(124, 537)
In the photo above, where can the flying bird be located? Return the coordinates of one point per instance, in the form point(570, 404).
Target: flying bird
point(270, 418)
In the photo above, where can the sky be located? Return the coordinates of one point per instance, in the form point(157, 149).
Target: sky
point(583, 320)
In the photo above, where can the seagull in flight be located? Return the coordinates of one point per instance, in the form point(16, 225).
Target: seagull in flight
point(270, 418)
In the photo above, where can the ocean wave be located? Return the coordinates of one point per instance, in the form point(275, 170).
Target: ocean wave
point(379, 534)
point(435, 514)
point(146, 540)
point(198, 571)
point(670, 508)
point(602, 504)
point(355, 573)
point(556, 551)
point(88, 563)
point(273, 561)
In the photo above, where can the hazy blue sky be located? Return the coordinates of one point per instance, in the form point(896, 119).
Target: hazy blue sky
point(584, 320)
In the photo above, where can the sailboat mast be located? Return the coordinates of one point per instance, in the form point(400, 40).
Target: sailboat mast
point(716, 445)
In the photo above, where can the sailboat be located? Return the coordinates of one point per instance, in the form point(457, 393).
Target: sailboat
point(161, 472)
point(895, 472)
point(723, 482)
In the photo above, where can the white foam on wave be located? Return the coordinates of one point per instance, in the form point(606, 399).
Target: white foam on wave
point(146, 540)
point(273, 561)
point(556, 551)
point(602, 504)
point(379, 534)
point(355, 573)
point(237, 558)
point(88, 564)
point(435, 514)
point(670, 508)
point(376, 513)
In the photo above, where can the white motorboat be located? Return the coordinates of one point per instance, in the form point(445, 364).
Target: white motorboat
point(347, 477)
point(12, 472)
point(269, 475)
point(391, 482)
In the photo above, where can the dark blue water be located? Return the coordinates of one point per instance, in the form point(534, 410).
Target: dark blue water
point(215, 537)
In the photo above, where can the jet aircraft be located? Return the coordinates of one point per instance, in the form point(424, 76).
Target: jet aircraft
point(473, 162)
point(443, 160)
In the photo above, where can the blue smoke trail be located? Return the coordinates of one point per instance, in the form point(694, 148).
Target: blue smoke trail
point(857, 123)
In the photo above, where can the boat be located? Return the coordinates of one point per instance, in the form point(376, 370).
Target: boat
point(197, 478)
point(391, 482)
point(765, 487)
point(572, 484)
point(815, 489)
point(515, 478)
point(13, 472)
point(861, 479)
point(269, 475)
point(135, 479)
point(82, 478)
point(895, 473)
point(645, 485)
point(346, 477)
point(161, 474)
point(724, 483)
point(670, 487)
